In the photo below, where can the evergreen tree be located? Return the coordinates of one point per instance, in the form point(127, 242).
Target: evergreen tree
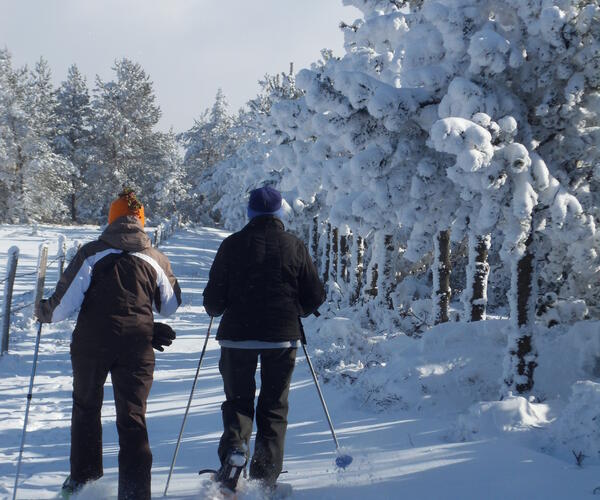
point(253, 133)
point(14, 132)
point(33, 176)
point(487, 130)
point(73, 138)
point(171, 191)
point(209, 142)
point(127, 149)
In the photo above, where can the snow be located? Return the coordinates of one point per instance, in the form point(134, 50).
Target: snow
point(576, 430)
point(511, 415)
point(420, 416)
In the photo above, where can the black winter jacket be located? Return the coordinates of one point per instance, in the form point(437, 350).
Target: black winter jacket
point(262, 280)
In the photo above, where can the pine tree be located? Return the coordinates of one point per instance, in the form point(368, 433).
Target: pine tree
point(14, 132)
point(73, 138)
point(488, 130)
point(171, 192)
point(212, 140)
point(49, 173)
point(126, 147)
point(33, 176)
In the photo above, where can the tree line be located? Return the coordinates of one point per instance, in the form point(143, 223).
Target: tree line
point(66, 151)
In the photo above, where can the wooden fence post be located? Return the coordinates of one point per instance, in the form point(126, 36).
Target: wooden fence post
point(11, 271)
point(41, 274)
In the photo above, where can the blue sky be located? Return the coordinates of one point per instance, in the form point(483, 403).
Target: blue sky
point(190, 48)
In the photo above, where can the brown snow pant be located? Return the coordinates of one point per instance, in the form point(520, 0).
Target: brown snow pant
point(238, 367)
point(130, 362)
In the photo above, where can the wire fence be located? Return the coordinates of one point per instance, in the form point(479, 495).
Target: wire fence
point(28, 304)
point(31, 273)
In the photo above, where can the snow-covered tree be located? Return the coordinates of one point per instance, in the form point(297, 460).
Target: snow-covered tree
point(171, 192)
point(127, 148)
point(14, 131)
point(463, 119)
point(208, 141)
point(73, 138)
point(212, 140)
point(519, 85)
point(34, 178)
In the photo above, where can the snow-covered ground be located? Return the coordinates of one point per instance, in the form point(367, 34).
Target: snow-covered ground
point(422, 422)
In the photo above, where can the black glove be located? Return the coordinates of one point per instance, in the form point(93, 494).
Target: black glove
point(43, 312)
point(163, 335)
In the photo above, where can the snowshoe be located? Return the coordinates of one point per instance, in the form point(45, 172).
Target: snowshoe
point(70, 488)
point(229, 473)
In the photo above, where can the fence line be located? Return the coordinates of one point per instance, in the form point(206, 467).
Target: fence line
point(30, 273)
point(165, 229)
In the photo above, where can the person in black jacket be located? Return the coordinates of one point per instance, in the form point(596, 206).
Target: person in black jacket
point(116, 279)
point(262, 280)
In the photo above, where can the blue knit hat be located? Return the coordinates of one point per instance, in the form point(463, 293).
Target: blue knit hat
point(264, 201)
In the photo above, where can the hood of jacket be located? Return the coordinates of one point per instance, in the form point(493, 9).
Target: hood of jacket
point(126, 233)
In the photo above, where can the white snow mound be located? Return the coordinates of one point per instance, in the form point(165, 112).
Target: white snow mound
point(494, 418)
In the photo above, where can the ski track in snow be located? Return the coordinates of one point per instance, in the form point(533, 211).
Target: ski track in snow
point(397, 454)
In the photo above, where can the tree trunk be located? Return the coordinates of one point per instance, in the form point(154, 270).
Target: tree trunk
point(373, 269)
point(524, 285)
point(357, 259)
point(335, 254)
point(478, 271)
point(345, 257)
point(22, 206)
point(441, 277)
point(73, 201)
point(521, 349)
point(387, 276)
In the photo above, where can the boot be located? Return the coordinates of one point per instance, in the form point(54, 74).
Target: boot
point(70, 488)
point(229, 473)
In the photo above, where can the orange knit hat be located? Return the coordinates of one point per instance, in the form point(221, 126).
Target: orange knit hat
point(126, 204)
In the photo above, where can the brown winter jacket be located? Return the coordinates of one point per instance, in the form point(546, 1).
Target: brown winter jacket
point(116, 280)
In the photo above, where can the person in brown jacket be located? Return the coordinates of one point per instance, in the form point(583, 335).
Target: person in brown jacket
point(116, 280)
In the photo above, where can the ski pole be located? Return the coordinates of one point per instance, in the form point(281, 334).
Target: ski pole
point(343, 460)
point(187, 409)
point(29, 396)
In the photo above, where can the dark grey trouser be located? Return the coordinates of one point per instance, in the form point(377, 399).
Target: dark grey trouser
point(130, 361)
point(238, 368)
